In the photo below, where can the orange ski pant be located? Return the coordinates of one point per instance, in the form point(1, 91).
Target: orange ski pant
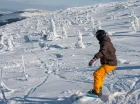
point(99, 76)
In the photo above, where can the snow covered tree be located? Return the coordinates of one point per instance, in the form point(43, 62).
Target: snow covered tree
point(136, 20)
point(133, 26)
point(94, 31)
point(2, 39)
point(87, 17)
point(80, 44)
point(10, 43)
point(99, 25)
point(76, 19)
point(53, 30)
point(64, 32)
point(93, 22)
point(23, 65)
point(17, 35)
point(39, 26)
point(69, 22)
point(113, 16)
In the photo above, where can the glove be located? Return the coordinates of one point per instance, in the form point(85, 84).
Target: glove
point(92, 62)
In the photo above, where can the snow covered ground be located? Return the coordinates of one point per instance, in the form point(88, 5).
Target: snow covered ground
point(7, 18)
point(44, 59)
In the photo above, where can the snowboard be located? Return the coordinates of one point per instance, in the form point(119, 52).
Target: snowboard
point(92, 95)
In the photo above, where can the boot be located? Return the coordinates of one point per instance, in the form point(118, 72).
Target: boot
point(94, 92)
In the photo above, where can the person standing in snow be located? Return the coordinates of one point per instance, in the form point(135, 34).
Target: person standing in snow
point(108, 61)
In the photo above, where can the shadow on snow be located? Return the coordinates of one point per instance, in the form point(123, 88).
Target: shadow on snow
point(127, 67)
point(43, 100)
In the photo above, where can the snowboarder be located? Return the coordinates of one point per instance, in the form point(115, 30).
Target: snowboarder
point(108, 61)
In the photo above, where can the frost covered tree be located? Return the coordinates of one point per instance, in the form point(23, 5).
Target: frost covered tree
point(80, 44)
point(64, 32)
point(53, 30)
point(39, 26)
point(10, 43)
point(87, 17)
point(48, 37)
point(76, 19)
point(113, 16)
point(136, 20)
point(3, 39)
point(94, 30)
point(17, 35)
point(133, 26)
point(69, 22)
point(93, 22)
point(99, 25)
point(1, 45)
point(23, 65)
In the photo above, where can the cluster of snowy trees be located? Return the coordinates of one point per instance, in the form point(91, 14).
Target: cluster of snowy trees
point(59, 24)
point(51, 34)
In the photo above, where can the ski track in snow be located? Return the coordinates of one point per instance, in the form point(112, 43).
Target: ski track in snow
point(44, 58)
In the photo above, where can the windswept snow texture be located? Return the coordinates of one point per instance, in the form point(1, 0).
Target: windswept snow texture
point(40, 63)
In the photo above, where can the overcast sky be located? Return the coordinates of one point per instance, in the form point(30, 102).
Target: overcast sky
point(46, 4)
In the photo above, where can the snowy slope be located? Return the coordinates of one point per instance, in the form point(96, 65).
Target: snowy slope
point(43, 62)
point(6, 11)
point(20, 15)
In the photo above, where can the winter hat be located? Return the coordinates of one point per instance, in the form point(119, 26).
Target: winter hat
point(100, 34)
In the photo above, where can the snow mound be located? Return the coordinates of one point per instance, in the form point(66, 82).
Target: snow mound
point(122, 61)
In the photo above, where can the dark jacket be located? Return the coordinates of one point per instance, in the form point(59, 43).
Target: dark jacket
point(106, 52)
